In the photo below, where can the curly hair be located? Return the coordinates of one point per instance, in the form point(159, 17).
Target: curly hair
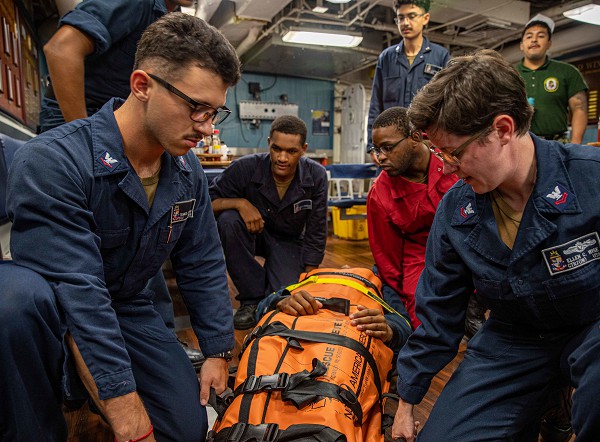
point(397, 117)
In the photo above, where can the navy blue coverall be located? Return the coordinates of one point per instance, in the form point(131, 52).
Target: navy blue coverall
point(544, 301)
point(84, 244)
point(295, 229)
point(396, 82)
point(115, 27)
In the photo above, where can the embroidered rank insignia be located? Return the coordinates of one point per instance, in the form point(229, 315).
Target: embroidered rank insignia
point(182, 210)
point(573, 254)
point(558, 197)
point(302, 205)
point(107, 161)
point(464, 212)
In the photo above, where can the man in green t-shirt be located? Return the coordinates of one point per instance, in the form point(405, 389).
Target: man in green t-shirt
point(553, 88)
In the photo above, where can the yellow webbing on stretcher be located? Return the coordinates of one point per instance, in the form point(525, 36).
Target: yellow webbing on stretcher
point(315, 279)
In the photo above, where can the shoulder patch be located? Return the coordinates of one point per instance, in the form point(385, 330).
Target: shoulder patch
point(107, 161)
point(558, 197)
point(464, 212)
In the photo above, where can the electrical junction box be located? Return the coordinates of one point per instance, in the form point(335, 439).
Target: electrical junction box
point(263, 110)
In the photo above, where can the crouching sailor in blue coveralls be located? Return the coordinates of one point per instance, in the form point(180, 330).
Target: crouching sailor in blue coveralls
point(522, 228)
point(98, 204)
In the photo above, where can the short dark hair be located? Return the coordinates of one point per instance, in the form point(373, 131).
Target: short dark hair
point(177, 41)
point(423, 4)
point(537, 23)
point(291, 125)
point(466, 96)
point(397, 117)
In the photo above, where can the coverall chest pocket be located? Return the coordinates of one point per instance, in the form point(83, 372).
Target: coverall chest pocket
point(171, 233)
point(576, 294)
point(392, 87)
point(111, 242)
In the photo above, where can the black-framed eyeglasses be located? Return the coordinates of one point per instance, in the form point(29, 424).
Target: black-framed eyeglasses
point(378, 150)
point(452, 158)
point(411, 17)
point(201, 112)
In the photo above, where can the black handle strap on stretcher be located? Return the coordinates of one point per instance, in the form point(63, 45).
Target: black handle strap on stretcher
point(242, 432)
point(279, 329)
point(302, 388)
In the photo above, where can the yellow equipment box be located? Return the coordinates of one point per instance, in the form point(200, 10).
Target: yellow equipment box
point(354, 228)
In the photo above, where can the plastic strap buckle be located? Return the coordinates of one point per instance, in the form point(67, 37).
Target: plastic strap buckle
point(260, 433)
point(254, 384)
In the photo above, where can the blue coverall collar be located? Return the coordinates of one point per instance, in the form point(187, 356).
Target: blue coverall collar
point(107, 143)
point(552, 194)
point(262, 173)
point(264, 176)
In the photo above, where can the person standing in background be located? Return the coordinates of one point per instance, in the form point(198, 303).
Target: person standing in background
point(553, 88)
point(91, 55)
point(405, 68)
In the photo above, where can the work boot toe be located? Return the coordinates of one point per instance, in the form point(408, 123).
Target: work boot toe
point(245, 317)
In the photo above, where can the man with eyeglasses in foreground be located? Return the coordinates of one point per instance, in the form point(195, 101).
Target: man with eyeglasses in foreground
point(406, 67)
point(402, 202)
point(90, 58)
point(400, 209)
point(272, 205)
point(522, 229)
point(97, 205)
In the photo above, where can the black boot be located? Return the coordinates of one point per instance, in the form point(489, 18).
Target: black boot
point(475, 317)
point(195, 356)
point(245, 317)
point(556, 423)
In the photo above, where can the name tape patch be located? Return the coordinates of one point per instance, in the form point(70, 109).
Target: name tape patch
point(432, 69)
point(302, 205)
point(573, 254)
point(182, 210)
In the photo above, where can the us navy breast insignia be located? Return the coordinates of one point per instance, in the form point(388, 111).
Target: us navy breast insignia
point(573, 254)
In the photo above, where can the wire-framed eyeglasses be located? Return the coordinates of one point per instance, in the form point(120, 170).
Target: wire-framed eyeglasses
point(411, 17)
point(452, 158)
point(201, 112)
point(378, 150)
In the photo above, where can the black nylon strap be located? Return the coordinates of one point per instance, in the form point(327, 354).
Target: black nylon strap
point(311, 391)
point(279, 329)
point(293, 433)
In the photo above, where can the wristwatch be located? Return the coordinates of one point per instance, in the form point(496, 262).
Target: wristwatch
point(227, 355)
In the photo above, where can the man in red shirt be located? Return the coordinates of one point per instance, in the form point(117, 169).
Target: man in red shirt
point(401, 206)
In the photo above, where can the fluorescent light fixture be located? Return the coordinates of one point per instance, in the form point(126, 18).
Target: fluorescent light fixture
point(339, 1)
point(323, 37)
point(589, 13)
